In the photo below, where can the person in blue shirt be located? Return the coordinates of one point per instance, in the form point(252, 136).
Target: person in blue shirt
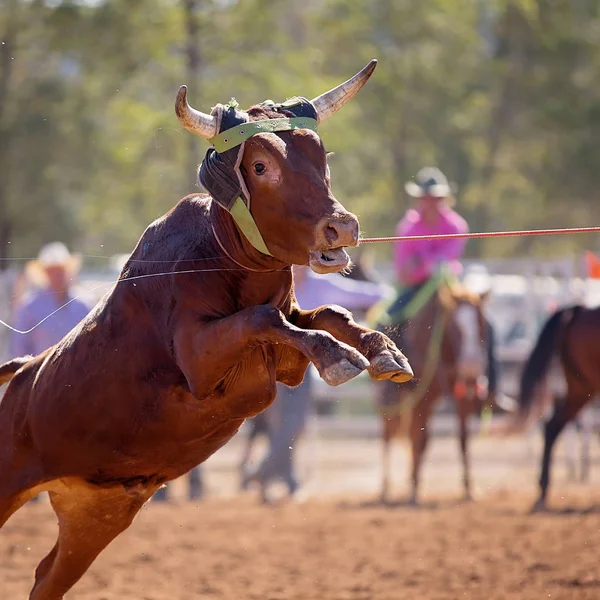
point(288, 414)
point(49, 312)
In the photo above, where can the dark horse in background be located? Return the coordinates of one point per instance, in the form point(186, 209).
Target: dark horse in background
point(448, 344)
point(571, 334)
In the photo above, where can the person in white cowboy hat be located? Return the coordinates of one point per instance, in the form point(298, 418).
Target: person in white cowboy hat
point(52, 274)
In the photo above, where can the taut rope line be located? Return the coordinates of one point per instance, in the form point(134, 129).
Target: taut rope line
point(484, 234)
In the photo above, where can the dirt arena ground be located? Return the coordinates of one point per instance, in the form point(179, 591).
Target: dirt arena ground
point(339, 544)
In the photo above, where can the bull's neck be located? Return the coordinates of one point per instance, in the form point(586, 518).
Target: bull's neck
point(237, 248)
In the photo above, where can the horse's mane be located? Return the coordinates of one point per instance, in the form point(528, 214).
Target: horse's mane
point(452, 294)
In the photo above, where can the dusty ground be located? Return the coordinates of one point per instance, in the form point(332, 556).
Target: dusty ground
point(339, 545)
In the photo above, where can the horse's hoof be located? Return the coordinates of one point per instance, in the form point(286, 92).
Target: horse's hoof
point(538, 507)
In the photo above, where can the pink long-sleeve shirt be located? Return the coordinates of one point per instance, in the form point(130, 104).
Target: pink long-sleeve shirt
point(417, 260)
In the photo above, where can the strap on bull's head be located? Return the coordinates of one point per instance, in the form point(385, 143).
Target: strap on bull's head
point(227, 128)
point(220, 173)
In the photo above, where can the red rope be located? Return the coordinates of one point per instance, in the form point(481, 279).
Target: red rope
point(448, 236)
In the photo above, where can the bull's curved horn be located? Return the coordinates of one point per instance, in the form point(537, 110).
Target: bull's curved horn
point(330, 102)
point(193, 120)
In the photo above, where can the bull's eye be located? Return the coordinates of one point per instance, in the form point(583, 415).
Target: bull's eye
point(259, 168)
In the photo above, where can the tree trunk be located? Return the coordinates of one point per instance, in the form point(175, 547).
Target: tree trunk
point(7, 47)
point(193, 71)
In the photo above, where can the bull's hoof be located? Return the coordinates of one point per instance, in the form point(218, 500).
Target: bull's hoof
point(343, 371)
point(385, 366)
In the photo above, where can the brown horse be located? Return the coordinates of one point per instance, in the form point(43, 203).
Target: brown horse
point(572, 335)
point(448, 345)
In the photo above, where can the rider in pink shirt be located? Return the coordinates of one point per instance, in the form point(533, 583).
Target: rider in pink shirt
point(417, 261)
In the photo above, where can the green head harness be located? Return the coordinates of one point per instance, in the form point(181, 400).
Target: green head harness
point(227, 128)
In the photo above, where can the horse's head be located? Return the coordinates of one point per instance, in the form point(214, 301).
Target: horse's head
point(469, 334)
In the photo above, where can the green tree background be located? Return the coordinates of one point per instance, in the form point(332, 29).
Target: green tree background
point(503, 95)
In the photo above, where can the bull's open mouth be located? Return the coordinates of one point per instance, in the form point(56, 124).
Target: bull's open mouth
point(329, 261)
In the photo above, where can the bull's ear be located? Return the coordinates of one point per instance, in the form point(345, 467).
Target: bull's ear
point(330, 102)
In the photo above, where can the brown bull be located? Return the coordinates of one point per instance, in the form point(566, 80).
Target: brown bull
point(188, 344)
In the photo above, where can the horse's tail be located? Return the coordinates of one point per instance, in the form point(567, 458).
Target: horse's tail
point(536, 367)
point(8, 369)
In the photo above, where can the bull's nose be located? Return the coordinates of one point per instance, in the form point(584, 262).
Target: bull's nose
point(342, 231)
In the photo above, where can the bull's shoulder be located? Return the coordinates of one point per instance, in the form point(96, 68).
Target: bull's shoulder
point(191, 213)
point(178, 234)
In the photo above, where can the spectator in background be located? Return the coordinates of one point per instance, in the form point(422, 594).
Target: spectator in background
point(288, 414)
point(51, 310)
point(256, 427)
point(196, 488)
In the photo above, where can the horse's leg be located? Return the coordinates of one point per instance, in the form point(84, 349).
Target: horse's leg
point(390, 427)
point(419, 436)
point(89, 518)
point(570, 436)
point(462, 410)
point(564, 411)
point(387, 395)
point(585, 433)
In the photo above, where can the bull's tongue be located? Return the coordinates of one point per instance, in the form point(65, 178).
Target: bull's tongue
point(335, 255)
point(323, 261)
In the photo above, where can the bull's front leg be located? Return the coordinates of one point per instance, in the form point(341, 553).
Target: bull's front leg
point(385, 360)
point(207, 351)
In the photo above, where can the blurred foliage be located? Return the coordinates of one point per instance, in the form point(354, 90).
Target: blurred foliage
point(503, 95)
